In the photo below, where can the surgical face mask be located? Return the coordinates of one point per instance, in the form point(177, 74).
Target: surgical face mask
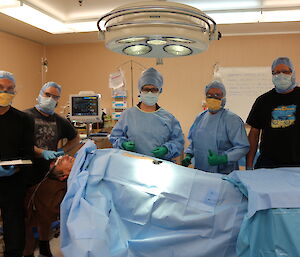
point(46, 104)
point(6, 98)
point(282, 82)
point(149, 99)
point(213, 105)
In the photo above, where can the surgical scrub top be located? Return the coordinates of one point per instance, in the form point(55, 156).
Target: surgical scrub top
point(149, 130)
point(223, 133)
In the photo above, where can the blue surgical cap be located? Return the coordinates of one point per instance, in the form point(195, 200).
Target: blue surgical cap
point(151, 77)
point(50, 84)
point(216, 84)
point(7, 75)
point(287, 62)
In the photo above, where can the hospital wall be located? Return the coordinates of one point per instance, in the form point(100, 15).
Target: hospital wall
point(23, 58)
point(82, 67)
point(87, 67)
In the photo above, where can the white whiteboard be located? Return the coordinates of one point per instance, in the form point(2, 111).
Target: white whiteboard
point(243, 85)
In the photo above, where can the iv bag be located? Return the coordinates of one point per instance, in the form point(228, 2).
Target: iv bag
point(116, 79)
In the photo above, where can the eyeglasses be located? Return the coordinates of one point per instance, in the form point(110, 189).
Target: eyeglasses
point(10, 90)
point(216, 96)
point(152, 89)
point(288, 72)
point(55, 97)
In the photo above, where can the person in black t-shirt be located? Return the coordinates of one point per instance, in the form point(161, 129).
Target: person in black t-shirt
point(16, 137)
point(44, 196)
point(275, 116)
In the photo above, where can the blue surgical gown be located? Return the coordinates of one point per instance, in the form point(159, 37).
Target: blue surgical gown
point(223, 133)
point(149, 130)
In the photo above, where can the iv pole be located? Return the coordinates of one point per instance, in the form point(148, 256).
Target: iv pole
point(131, 74)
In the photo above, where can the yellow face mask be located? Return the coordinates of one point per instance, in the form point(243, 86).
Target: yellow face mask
point(6, 99)
point(213, 104)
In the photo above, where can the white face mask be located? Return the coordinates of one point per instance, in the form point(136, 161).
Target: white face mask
point(282, 82)
point(46, 104)
point(149, 98)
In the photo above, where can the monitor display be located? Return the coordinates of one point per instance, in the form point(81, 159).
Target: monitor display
point(85, 108)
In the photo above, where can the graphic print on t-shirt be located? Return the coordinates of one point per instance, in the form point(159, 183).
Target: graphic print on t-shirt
point(283, 116)
point(45, 134)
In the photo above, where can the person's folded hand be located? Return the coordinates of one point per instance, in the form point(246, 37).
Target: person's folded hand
point(215, 159)
point(160, 151)
point(187, 160)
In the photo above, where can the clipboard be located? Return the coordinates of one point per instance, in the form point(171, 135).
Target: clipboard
point(16, 162)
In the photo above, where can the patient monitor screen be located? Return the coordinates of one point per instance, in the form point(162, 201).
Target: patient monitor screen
point(85, 106)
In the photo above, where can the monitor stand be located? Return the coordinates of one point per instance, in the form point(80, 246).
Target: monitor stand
point(89, 127)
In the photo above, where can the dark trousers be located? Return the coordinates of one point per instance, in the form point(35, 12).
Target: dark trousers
point(264, 162)
point(12, 212)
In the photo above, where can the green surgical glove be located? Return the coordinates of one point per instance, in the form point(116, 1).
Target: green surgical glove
point(215, 159)
point(187, 160)
point(160, 151)
point(129, 146)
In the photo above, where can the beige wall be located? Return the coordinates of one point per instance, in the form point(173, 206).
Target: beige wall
point(87, 67)
point(80, 67)
point(23, 58)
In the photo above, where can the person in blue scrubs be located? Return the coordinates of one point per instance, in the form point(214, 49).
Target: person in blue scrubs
point(147, 128)
point(217, 137)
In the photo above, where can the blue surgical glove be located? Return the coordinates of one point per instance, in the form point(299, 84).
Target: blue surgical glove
point(7, 171)
point(49, 155)
point(60, 152)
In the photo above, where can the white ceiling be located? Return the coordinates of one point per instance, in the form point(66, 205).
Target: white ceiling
point(71, 11)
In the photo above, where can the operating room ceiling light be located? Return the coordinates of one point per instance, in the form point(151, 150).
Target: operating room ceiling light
point(179, 40)
point(157, 42)
point(157, 29)
point(9, 3)
point(178, 50)
point(220, 11)
point(42, 20)
point(36, 18)
point(131, 40)
point(279, 16)
point(137, 50)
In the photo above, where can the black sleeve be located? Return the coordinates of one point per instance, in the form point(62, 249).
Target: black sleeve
point(66, 128)
point(255, 117)
point(27, 146)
